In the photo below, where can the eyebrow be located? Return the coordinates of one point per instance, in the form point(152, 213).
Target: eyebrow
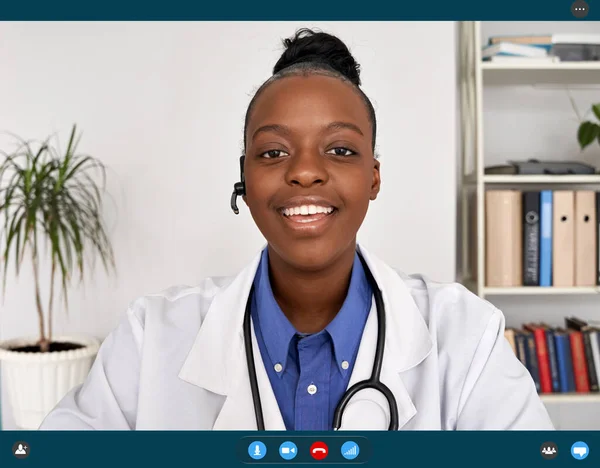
point(346, 126)
point(283, 130)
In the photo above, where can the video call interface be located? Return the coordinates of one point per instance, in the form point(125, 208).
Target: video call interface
point(278, 241)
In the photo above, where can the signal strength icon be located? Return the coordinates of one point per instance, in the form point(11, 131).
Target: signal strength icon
point(350, 450)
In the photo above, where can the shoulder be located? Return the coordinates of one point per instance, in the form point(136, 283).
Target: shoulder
point(451, 311)
point(179, 306)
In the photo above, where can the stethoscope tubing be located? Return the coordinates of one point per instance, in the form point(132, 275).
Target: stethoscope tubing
point(373, 382)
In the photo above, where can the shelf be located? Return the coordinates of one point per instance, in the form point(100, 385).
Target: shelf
point(570, 397)
point(553, 66)
point(538, 291)
point(541, 179)
point(537, 179)
point(541, 73)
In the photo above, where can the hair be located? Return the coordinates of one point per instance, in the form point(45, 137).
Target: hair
point(316, 53)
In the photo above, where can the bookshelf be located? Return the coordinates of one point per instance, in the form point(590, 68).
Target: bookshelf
point(475, 75)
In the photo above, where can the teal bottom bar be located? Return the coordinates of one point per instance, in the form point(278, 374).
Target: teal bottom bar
point(505, 449)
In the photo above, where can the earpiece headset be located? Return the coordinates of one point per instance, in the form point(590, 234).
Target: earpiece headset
point(239, 188)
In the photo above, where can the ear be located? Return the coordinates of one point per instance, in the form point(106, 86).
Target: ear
point(376, 184)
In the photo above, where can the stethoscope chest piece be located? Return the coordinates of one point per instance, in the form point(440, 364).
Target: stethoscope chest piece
point(372, 384)
point(368, 411)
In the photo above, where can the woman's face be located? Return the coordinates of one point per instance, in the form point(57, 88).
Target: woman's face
point(310, 169)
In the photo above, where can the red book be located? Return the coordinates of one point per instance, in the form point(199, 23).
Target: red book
point(541, 348)
point(582, 381)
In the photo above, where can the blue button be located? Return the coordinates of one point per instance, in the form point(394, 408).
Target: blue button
point(350, 450)
point(580, 450)
point(288, 450)
point(257, 450)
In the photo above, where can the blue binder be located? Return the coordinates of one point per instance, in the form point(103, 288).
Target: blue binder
point(546, 238)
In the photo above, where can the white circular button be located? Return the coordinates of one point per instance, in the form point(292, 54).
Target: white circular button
point(312, 389)
point(345, 365)
point(278, 367)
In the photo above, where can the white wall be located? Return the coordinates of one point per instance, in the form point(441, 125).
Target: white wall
point(162, 104)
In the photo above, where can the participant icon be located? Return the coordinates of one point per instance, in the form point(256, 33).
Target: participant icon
point(21, 449)
point(549, 450)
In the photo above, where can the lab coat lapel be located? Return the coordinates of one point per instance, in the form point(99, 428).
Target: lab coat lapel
point(407, 343)
point(238, 409)
point(217, 359)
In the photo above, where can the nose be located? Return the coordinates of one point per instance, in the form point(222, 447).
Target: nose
point(307, 168)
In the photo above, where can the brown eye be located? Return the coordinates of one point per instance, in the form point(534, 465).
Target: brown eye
point(341, 151)
point(271, 154)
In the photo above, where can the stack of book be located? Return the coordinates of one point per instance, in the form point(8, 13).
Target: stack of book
point(543, 48)
point(546, 238)
point(560, 360)
point(511, 52)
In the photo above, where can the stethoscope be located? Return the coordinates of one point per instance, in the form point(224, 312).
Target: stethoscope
point(372, 382)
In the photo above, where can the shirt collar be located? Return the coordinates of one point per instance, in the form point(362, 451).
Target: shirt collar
point(275, 328)
point(345, 329)
point(347, 326)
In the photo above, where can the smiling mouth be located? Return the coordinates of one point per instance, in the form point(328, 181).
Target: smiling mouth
point(307, 213)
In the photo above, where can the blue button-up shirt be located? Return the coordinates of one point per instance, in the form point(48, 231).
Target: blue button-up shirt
point(309, 373)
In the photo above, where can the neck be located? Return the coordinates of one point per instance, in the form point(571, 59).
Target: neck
point(311, 299)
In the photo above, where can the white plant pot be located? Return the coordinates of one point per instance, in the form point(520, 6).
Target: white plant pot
point(36, 382)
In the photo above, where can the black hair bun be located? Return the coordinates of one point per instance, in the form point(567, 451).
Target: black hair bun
point(308, 46)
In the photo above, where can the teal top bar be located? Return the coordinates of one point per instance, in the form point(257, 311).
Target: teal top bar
point(313, 10)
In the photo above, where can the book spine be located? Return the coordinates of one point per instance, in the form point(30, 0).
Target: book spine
point(531, 238)
point(553, 361)
point(532, 360)
point(504, 239)
point(589, 359)
point(543, 361)
point(521, 348)
point(565, 363)
point(546, 238)
point(595, 339)
point(582, 382)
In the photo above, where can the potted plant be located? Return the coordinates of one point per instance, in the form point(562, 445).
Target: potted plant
point(588, 130)
point(50, 209)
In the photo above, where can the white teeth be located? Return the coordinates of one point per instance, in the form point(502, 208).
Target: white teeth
point(306, 210)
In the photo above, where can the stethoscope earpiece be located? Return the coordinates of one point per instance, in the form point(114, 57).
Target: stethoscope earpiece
point(239, 188)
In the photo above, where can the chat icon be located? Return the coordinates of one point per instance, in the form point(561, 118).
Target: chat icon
point(580, 450)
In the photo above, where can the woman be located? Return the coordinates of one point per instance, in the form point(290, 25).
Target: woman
point(179, 360)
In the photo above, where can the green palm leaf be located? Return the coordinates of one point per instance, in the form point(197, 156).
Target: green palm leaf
point(50, 196)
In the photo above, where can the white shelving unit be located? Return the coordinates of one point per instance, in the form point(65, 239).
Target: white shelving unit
point(474, 76)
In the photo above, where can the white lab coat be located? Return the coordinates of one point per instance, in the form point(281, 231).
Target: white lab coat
point(177, 361)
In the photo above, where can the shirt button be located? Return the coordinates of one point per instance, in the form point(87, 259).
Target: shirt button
point(278, 367)
point(312, 389)
point(345, 365)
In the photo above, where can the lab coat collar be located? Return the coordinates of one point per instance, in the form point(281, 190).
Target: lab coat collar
point(217, 361)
